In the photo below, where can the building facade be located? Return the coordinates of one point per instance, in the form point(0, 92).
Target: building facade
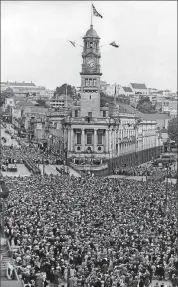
point(95, 141)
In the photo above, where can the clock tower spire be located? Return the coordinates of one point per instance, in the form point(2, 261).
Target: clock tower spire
point(90, 75)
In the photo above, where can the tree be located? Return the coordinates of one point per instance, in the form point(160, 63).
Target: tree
point(41, 103)
point(172, 129)
point(145, 105)
point(2, 100)
point(62, 90)
point(8, 92)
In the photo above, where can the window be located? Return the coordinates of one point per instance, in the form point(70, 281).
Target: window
point(90, 114)
point(100, 138)
point(86, 82)
point(78, 138)
point(76, 113)
point(91, 44)
point(104, 114)
point(90, 81)
point(94, 82)
point(90, 97)
point(89, 138)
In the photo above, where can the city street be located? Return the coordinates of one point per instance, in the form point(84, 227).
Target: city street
point(8, 138)
point(22, 170)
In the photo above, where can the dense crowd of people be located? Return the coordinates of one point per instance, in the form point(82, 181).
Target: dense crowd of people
point(92, 231)
point(19, 153)
point(89, 231)
point(147, 170)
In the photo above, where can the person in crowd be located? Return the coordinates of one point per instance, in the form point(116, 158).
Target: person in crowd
point(91, 231)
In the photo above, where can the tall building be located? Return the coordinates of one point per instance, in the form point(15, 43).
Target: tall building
point(92, 136)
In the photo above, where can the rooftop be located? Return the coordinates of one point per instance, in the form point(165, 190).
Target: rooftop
point(22, 84)
point(155, 117)
point(127, 89)
point(138, 86)
point(91, 33)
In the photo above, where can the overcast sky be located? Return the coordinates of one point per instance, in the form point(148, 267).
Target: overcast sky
point(34, 44)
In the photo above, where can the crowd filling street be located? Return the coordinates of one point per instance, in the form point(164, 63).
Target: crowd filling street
point(90, 231)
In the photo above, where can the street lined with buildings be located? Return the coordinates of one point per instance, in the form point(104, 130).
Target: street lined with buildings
point(88, 174)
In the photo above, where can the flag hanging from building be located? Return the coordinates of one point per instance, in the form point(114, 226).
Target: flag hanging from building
point(95, 12)
point(73, 43)
point(114, 44)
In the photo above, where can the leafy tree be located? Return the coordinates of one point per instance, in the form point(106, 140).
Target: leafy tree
point(2, 100)
point(145, 105)
point(173, 129)
point(62, 90)
point(41, 103)
point(8, 92)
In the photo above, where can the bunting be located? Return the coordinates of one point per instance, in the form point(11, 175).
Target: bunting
point(73, 43)
point(114, 44)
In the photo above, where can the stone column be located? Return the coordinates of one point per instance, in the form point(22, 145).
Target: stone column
point(95, 141)
point(83, 140)
point(110, 139)
point(118, 142)
point(106, 140)
point(71, 139)
point(114, 142)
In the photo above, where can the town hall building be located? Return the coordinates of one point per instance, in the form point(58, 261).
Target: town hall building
point(93, 137)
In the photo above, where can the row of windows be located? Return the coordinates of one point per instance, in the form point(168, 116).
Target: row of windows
point(90, 138)
point(89, 113)
point(90, 82)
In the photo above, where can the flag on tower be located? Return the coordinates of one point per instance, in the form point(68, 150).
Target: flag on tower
point(114, 44)
point(73, 43)
point(95, 12)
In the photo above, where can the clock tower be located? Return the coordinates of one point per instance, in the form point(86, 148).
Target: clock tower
point(90, 75)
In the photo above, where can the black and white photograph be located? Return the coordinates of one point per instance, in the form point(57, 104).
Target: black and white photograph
point(88, 144)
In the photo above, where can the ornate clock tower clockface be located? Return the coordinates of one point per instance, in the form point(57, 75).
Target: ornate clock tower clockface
point(90, 63)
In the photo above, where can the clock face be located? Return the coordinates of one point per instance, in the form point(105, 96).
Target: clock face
point(90, 63)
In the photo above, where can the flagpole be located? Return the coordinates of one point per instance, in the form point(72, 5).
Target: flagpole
point(91, 15)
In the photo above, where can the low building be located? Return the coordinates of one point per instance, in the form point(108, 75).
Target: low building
point(138, 88)
point(162, 120)
point(60, 101)
point(9, 102)
point(22, 88)
point(127, 91)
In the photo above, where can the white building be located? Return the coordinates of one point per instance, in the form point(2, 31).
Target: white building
point(60, 101)
point(25, 87)
point(110, 90)
point(127, 91)
point(138, 88)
